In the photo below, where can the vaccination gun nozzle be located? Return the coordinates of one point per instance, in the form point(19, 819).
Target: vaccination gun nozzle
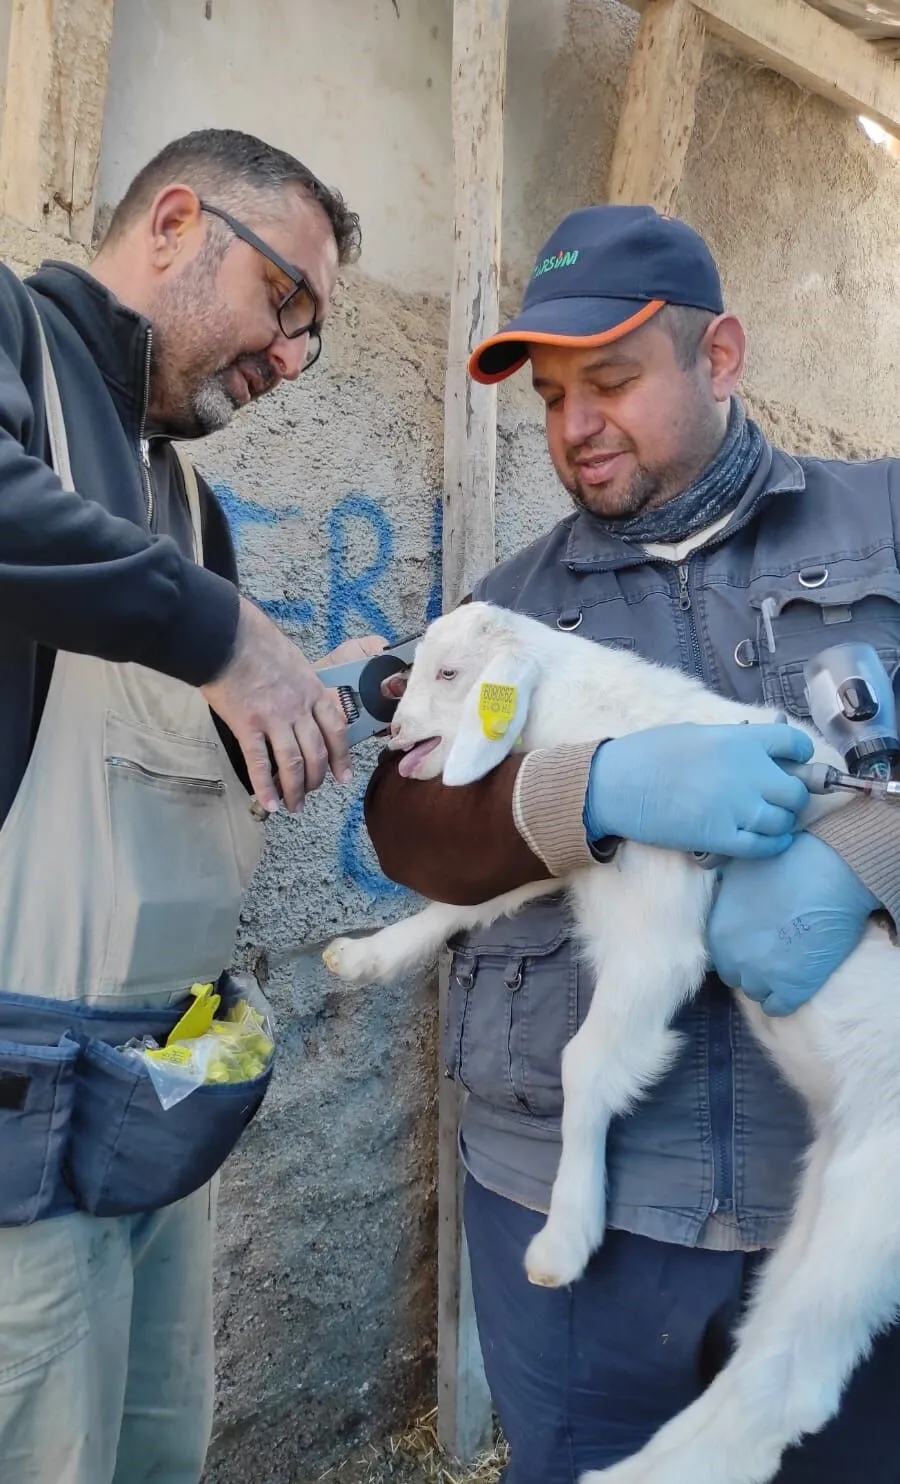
point(822, 778)
point(852, 704)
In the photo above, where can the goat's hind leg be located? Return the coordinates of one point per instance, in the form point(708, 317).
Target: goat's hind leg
point(623, 1047)
point(827, 1289)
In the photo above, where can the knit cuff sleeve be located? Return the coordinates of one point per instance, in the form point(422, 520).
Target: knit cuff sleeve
point(866, 834)
point(548, 801)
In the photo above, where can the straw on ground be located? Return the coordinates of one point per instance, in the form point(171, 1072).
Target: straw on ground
point(415, 1457)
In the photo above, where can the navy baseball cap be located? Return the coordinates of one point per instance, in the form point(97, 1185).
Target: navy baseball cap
point(605, 272)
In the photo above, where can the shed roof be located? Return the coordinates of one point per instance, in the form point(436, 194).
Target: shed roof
point(875, 20)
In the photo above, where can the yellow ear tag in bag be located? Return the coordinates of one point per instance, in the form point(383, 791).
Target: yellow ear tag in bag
point(172, 1056)
point(197, 1018)
point(496, 708)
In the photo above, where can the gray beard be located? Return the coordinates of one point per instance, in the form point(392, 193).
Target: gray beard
point(212, 406)
point(645, 490)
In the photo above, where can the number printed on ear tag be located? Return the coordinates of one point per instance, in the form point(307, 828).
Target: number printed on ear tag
point(496, 708)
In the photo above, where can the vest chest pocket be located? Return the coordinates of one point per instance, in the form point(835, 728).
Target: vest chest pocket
point(175, 883)
point(796, 623)
point(511, 1008)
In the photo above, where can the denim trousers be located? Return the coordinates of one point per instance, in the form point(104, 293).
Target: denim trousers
point(582, 1377)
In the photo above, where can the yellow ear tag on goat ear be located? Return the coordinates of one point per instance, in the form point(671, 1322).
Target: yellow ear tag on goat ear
point(496, 708)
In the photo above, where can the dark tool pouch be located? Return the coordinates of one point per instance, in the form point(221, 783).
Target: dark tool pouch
point(81, 1124)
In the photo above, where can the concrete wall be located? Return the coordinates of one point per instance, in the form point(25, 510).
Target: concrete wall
point(325, 1273)
point(359, 91)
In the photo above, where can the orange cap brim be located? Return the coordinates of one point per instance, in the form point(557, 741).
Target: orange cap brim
point(536, 337)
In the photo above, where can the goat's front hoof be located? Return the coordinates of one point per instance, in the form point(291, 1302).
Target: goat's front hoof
point(351, 959)
point(555, 1258)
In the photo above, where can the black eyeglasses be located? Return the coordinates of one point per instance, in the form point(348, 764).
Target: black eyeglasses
point(298, 312)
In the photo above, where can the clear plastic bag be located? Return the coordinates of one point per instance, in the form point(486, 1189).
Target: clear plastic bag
point(236, 1048)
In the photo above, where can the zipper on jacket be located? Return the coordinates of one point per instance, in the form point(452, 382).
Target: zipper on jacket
point(720, 1053)
point(202, 785)
point(143, 445)
point(720, 1074)
point(685, 603)
point(148, 479)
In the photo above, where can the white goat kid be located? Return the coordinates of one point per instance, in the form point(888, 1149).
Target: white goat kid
point(834, 1280)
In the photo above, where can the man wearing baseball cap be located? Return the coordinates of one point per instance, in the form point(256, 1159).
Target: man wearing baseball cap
point(696, 543)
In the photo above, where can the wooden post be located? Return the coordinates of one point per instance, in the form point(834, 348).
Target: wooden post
point(470, 410)
point(52, 120)
point(464, 1418)
point(480, 29)
point(657, 116)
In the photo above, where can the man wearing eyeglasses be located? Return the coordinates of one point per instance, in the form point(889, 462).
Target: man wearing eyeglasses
point(150, 717)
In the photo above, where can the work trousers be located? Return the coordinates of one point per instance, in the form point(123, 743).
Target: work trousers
point(106, 1347)
point(582, 1377)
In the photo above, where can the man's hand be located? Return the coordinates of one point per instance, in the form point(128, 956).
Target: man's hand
point(353, 649)
point(269, 696)
point(780, 928)
point(710, 789)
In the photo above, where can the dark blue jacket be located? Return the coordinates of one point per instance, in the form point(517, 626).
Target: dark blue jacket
point(106, 571)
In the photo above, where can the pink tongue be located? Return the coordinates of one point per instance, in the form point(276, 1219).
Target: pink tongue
point(410, 760)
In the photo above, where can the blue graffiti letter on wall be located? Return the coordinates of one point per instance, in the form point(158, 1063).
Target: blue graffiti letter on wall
point(240, 512)
point(348, 597)
point(356, 858)
point(351, 592)
point(435, 605)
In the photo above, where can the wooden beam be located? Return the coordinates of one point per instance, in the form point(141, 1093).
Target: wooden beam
point(657, 117)
point(812, 50)
point(52, 121)
point(464, 1420)
point(480, 29)
point(470, 410)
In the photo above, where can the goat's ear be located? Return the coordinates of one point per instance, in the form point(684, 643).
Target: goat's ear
point(493, 717)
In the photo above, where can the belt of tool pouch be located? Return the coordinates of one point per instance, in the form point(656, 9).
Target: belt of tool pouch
point(82, 1126)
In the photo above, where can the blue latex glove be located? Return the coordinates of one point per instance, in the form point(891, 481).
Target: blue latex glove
point(780, 928)
point(709, 789)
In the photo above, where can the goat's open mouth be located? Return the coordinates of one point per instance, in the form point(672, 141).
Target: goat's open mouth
point(411, 759)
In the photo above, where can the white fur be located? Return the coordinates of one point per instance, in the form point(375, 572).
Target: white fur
point(834, 1280)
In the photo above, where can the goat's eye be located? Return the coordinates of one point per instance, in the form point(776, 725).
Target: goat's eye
point(447, 674)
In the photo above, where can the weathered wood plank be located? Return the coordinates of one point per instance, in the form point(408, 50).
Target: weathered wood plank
point(464, 1403)
point(52, 122)
point(470, 411)
point(657, 117)
point(812, 50)
point(480, 29)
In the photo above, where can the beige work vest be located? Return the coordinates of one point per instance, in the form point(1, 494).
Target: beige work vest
point(130, 842)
